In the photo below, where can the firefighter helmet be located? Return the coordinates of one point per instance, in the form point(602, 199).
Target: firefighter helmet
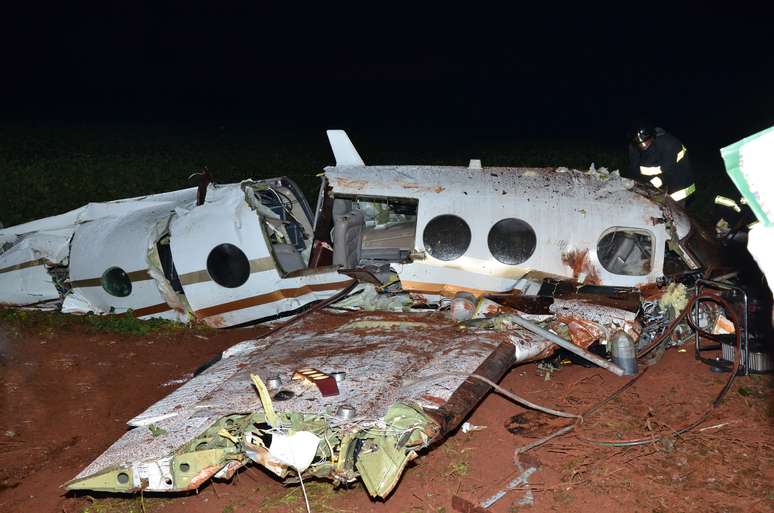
point(642, 135)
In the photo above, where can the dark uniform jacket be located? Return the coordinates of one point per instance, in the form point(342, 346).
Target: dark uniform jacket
point(665, 164)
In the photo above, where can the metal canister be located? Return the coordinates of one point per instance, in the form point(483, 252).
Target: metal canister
point(345, 412)
point(462, 306)
point(274, 382)
point(624, 354)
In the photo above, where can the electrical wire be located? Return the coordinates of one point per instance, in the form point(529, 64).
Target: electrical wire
point(507, 393)
point(510, 395)
point(570, 427)
point(317, 306)
point(723, 391)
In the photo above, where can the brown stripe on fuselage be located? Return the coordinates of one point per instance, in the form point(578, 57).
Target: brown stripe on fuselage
point(134, 276)
point(150, 310)
point(257, 265)
point(24, 265)
point(270, 297)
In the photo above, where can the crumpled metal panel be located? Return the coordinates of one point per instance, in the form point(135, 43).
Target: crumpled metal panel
point(420, 362)
point(32, 247)
point(226, 218)
point(24, 276)
point(605, 315)
point(121, 242)
point(94, 211)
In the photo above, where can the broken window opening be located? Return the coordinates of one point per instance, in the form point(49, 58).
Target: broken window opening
point(322, 247)
point(373, 231)
point(626, 251)
point(279, 203)
point(116, 282)
point(60, 276)
point(512, 241)
point(286, 223)
point(168, 265)
point(228, 266)
point(446, 237)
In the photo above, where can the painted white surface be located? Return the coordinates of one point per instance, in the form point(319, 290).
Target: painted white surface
point(396, 367)
point(760, 244)
point(121, 242)
point(224, 218)
point(94, 211)
point(568, 210)
point(50, 238)
point(343, 149)
point(756, 160)
point(31, 285)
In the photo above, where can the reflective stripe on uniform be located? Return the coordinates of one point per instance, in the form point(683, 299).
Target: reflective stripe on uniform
point(683, 193)
point(681, 154)
point(650, 171)
point(727, 202)
point(749, 226)
point(656, 182)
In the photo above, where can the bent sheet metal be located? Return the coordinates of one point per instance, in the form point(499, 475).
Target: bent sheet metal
point(405, 380)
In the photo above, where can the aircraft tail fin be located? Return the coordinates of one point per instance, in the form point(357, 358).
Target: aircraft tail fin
point(343, 149)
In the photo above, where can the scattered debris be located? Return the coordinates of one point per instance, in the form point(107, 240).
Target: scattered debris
point(522, 480)
point(467, 427)
point(372, 369)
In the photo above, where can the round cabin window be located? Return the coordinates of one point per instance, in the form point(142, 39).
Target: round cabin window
point(446, 237)
point(512, 241)
point(116, 282)
point(228, 266)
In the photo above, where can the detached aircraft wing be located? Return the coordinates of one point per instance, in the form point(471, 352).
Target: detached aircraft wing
point(406, 384)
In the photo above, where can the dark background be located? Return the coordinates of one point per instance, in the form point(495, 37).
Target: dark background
point(112, 101)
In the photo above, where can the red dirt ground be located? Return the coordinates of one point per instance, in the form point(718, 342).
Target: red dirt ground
point(66, 398)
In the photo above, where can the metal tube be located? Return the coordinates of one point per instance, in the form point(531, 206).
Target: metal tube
point(566, 344)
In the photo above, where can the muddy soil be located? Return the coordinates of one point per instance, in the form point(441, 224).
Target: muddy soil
point(67, 396)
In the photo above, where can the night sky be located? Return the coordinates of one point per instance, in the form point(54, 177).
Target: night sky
point(529, 71)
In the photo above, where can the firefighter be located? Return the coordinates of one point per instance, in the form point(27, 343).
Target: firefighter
point(733, 216)
point(660, 158)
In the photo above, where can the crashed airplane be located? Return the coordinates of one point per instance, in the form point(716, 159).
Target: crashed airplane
point(238, 253)
point(437, 281)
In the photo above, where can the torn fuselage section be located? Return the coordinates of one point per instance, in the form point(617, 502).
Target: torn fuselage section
point(240, 256)
point(94, 256)
point(33, 269)
point(244, 255)
point(447, 229)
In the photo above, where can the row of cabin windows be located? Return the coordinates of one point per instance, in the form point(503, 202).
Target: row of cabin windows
point(512, 241)
point(446, 237)
point(227, 265)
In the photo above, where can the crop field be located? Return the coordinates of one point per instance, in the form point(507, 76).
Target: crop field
point(50, 168)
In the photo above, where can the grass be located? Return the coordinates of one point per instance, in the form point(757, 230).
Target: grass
point(459, 458)
point(125, 324)
point(321, 495)
point(50, 168)
point(137, 504)
point(53, 168)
